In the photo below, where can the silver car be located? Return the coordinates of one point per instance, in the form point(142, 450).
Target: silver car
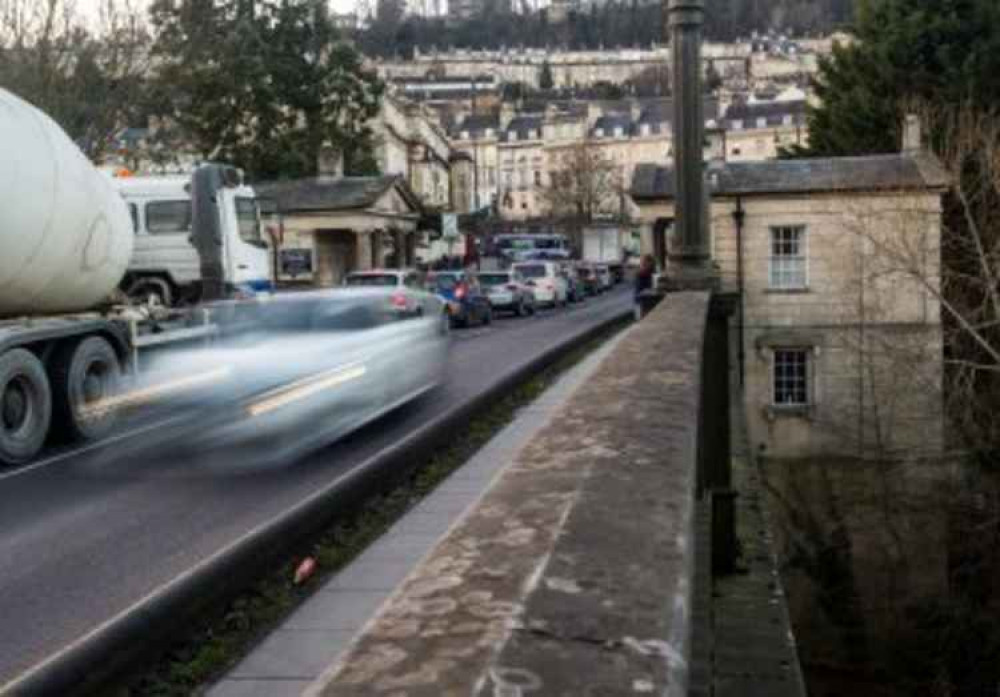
point(508, 291)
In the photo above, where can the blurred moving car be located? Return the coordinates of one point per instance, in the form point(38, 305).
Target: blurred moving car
point(550, 287)
point(588, 278)
point(313, 367)
point(507, 291)
point(464, 298)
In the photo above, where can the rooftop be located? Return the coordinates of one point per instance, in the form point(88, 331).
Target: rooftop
point(894, 172)
point(327, 194)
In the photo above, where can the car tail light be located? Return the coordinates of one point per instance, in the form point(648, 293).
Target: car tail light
point(460, 291)
point(399, 300)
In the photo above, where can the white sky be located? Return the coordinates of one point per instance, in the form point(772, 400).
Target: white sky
point(89, 8)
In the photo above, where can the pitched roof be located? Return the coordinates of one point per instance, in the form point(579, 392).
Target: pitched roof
point(742, 110)
point(477, 124)
point(522, 125)
point(340, 194)
point(895, 172)
point(609, 122)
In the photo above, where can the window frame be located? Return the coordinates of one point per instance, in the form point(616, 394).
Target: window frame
point(808, 354)
point(803, 252)
point(168, 202)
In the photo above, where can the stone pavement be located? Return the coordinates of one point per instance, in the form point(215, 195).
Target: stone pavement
point(287, 662)
point(573, 574)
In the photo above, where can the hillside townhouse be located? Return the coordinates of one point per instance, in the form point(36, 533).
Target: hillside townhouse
point(409, 142)
point(835, 263)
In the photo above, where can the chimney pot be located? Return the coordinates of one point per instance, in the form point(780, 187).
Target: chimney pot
point(329, 162)
point(913, 139)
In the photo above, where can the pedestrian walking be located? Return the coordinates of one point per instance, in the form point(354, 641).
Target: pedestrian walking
point(643, 281)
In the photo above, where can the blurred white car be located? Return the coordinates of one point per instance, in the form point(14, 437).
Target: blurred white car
point(313, 367)
point(544, 278)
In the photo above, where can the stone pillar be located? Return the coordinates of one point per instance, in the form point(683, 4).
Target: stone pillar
point(376, 249)
point(689, 259)
point(400, 246)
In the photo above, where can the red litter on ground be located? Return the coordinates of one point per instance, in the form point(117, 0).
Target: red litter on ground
point(305, 569)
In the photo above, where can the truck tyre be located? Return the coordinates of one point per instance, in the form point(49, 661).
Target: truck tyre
point(84, 374)
point(151, 289)
point(25, 406)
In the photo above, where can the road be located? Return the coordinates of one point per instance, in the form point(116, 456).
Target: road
point(83, 537)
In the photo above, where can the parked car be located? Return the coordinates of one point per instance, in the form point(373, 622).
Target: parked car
point(407, 282)
point(508, 291)
point(464, 298)
point(550, 287)
point(588, 278)
point(575, 291)
point(350, 355)
point(604, 276)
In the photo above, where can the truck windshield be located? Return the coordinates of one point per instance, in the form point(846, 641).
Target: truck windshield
point(248, 219)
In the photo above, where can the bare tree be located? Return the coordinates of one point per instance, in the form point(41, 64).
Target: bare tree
point(583, 184)
point(90, 79)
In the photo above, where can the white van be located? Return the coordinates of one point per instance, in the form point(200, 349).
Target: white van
point(165, 265)
point(546, 280)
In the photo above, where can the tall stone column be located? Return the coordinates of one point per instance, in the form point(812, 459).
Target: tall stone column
point(689, 255)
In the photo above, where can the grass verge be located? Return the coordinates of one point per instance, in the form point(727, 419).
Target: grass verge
point(210, 649)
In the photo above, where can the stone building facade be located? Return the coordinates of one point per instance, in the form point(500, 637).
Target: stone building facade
point(335, 225)
point(836, 266)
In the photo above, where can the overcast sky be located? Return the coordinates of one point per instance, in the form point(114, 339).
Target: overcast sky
point(90, 7)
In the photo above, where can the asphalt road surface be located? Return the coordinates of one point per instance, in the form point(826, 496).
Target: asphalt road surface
point(84, 536)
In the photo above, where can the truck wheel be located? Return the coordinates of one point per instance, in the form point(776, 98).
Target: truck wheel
point(151, 290)
point(25, 406)
point(84, 374)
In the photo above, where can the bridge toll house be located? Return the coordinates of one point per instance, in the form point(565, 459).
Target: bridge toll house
point(335, 225)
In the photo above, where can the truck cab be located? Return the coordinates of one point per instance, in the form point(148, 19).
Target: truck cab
point(165, 266)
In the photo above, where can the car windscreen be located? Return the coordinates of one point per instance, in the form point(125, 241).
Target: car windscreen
point(494, 279)
point(372, 279)
point(445, 281)
point(532, 271)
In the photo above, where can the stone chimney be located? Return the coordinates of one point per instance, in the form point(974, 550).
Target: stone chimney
point(507, 112)
point(635, 109)
point(913, 138)
point(329, 162)
point(594, 112)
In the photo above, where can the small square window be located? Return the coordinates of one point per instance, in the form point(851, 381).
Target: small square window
point(790, 381)
point(788, 258)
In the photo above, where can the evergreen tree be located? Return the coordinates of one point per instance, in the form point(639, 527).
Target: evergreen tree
point(930, 51)
point(262, 83)
point(545, 81)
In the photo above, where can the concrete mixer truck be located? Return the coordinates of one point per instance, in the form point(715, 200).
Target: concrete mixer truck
point(67, 241)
